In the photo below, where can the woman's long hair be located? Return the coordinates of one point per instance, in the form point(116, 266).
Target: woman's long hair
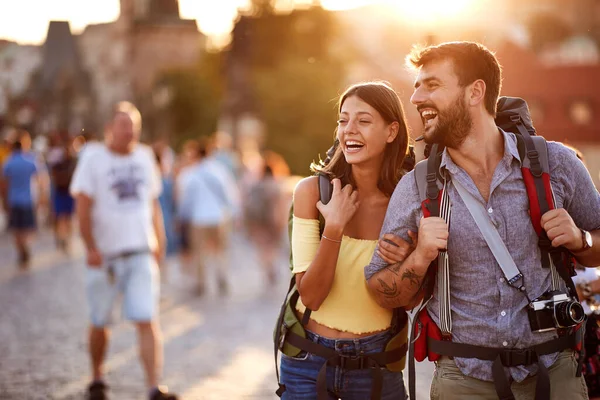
point(384, 99)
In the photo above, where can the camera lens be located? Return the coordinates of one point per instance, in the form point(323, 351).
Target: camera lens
point(569, 313)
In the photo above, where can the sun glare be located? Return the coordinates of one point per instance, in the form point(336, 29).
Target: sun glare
point(431, 11)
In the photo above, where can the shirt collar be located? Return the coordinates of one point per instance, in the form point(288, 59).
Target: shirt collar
point(510, 151)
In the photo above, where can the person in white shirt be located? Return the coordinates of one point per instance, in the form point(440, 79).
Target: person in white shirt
point(211, 200)
point(192, 153)
point(116, 188)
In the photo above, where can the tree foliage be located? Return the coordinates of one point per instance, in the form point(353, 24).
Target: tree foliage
point(296, 79)
point(196, 95)
point(298, 105)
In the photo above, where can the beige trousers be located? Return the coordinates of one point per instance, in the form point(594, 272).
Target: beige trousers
point(450, 384)
point(210, 243)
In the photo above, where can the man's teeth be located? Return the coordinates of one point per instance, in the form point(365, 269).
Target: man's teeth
point(428, 114)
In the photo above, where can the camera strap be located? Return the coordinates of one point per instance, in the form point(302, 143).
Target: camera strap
point(513, 276)
point(496, 244)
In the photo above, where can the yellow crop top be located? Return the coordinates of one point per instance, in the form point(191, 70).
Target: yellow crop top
point(349, 306)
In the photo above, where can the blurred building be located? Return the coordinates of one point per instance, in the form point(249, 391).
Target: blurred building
point(17, 64)
point(72, 81)
point(564, 99)
point(61, 88)
point(127, 56)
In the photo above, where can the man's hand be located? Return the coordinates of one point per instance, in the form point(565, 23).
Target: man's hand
point(398, 251)
point(561, 229)
point(94, 258)
point(433, 237)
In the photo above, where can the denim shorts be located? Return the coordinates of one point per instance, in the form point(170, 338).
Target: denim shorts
point(135, 277)
point(21, 218)
point(299, 374)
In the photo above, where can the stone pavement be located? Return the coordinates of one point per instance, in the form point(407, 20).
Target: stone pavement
point(215, 348)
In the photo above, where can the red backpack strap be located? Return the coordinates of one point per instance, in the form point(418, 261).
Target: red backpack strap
point(536, 176)
point(430, 189)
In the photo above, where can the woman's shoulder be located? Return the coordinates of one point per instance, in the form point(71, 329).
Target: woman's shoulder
point(306, 196)
point(308, 186)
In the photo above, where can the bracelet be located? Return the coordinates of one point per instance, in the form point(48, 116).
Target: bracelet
point(331, 240)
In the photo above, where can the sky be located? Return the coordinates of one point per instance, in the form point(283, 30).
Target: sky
point(26, 21)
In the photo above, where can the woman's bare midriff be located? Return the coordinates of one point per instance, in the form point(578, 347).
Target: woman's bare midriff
point(331, 333)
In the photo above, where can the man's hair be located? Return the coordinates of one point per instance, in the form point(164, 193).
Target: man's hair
point(125, 107)
point(471, 61)
point(21, 136)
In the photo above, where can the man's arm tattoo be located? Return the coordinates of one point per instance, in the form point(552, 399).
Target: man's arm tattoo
point(387, 290)
point(394, 268)
point(410, 274)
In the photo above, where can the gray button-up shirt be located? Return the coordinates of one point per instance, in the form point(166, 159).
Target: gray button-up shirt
point(486, 311)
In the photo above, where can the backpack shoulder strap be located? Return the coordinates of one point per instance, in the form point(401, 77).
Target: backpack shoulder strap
point(541, 200)
point(325, 193)
point(421, 179)
point(534, 154)
point(429, 183)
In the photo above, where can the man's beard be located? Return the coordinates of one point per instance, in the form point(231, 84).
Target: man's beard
point(453, 125)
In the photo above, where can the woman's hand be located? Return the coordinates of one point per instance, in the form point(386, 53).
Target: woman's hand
point(399, 250)
point(341, 208)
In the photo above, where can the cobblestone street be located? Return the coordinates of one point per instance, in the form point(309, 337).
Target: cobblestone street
point(215, 348)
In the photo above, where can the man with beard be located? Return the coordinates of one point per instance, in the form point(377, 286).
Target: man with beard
point(456, 91)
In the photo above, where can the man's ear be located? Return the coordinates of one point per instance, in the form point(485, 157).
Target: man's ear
point(476, 92)
point(393, 131)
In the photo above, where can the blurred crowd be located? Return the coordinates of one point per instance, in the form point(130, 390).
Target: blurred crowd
point(209, 191)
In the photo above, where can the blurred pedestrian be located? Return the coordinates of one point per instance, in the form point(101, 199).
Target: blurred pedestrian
point(23, 187)
point(265, 218)
point(587, 283)
point(191, 155)
point(221, 148)
point(61, 173)
point(116, 189)
point(167, 204)
point(211, 200)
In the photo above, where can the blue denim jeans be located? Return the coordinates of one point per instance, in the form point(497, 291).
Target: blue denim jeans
point(299, 374)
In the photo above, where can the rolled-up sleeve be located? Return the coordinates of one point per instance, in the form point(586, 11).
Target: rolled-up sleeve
point(573, 184)
point(403, 214)
point(305, 243)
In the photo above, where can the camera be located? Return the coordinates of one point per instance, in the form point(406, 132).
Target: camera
point(554, 310)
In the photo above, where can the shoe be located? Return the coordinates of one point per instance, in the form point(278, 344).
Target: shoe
point(97, 391)
point(163, 394)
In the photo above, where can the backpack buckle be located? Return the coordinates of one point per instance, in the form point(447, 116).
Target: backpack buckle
point(352, 362)
point(432, 188)
point(533, 154)
point(431, 178)
point(515, 118)
point(514, 357)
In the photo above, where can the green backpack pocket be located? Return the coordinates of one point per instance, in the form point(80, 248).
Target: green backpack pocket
point(291, 323)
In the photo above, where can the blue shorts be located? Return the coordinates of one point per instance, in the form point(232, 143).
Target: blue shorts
point(136, 277)
point(63, 203)
point(299, 374)
point(21, 218)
